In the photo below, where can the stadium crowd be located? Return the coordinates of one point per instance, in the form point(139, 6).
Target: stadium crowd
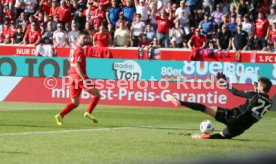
point(218, 24)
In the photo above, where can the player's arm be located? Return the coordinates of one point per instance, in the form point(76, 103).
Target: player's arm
point(223, 81)
point(79, 71)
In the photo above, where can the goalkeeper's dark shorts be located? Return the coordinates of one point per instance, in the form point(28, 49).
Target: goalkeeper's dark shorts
point(228, 117)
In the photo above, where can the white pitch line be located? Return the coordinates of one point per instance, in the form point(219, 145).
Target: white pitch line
point(68, 131)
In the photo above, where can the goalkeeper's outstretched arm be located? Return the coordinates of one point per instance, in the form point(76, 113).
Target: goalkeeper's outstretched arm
point(222, 80)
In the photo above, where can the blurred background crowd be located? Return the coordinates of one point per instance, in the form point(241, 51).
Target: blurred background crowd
point(218, 24)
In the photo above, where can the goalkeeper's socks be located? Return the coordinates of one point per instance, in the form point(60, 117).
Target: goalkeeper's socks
point(194, 106)
point(94, 101)
point(68, 108)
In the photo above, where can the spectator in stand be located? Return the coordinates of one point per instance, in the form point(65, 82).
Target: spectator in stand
point(209, 3)
point(129, 11)
point(29, 24)
point(32, 36)
point(232, 10)
point(112, 14)
point(53, 9)
point(5, 32)
point(225, 21)
point(45, 6)
point(67, 26)
point(207, 25)
point(240, 39)
point(111, 31)
point(12, 28)
point(191, 4)
point(47, 36)
point(272, 16)
point(264, 6)
point(137, 29)
point(64, 12)
point(217, 15)
point(89, 29)
point(80, 20)
point(144, 41)
point(121, 20)
point(163, 22)
point(39, 17)
point(22, 21)
point(176, 36)
point(153, 13)
point(233, 24)
point(81, 4)
point(142, 9)
point(225, 7)
point(102, 38)
point(261, 35)
point(272, 37)
point(121, 36)
point(149, 31)
point(183, 14)
point(224, 39)
point(60, 37)
point(30, 7)
point(187, 37)
point(55, 22)
point(197, 40)
point(19, 8)
point(90, 8)
point(249, 27)
point(98, 16)
point(73, 35)
point(242, 7)
point(18, 35)
point(105, 3)
point(240, 19)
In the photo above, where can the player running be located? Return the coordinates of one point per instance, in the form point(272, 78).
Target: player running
point(238, 119)
point(79, 81)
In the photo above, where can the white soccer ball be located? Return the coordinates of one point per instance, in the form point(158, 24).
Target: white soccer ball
point(206, 127)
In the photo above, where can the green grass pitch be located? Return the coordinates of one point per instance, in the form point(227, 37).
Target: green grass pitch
point(28, 134)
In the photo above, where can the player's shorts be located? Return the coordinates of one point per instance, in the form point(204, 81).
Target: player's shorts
point(229, 118)
point(76, 87)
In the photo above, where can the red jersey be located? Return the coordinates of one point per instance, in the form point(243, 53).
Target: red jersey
point(102, 39)
point(272, 35)
point(77, 56)
point(5, 32)
point(32, 36)
point(197, 41)
point(101, 17)
point(261, 28)
point(162, 24)
point(64, 14)
point(53, 12)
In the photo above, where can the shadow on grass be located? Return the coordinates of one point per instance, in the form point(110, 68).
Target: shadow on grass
point(12, 152)
point(251, 140)
point(21, 125)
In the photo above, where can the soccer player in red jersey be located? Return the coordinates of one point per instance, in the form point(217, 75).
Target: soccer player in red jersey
point(79, 81)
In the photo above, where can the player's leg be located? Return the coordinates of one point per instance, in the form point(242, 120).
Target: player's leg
point(75, 100)
point(95, 97)
point(67, 109)
point(194, 106)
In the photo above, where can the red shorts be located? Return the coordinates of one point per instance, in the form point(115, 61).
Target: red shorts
point(76, 86)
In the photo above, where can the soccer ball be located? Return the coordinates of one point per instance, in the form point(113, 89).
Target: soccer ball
point(206, 127)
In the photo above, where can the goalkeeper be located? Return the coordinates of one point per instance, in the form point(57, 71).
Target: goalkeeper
point(240, 118)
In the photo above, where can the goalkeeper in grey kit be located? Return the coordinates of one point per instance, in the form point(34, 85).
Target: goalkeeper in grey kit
point(237, 119)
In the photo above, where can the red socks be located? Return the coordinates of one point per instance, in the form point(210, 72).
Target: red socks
point(68, 108)
point(94, 101)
